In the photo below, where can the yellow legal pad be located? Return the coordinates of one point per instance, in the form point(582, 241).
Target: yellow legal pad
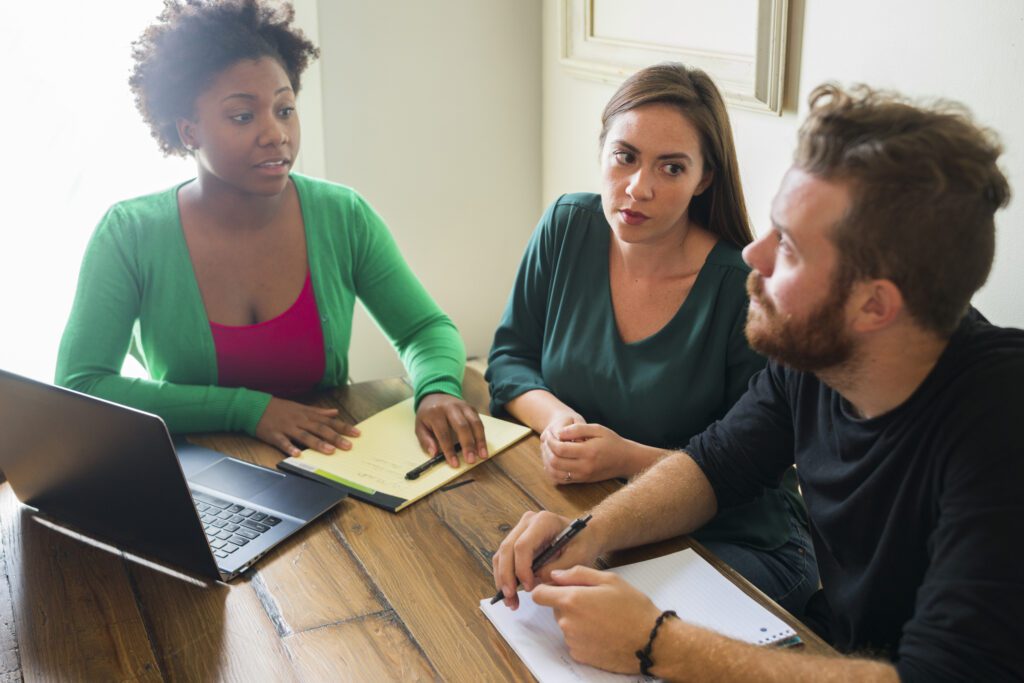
point(374, 470)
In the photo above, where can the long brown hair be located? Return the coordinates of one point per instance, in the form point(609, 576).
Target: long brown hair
point(720, 208)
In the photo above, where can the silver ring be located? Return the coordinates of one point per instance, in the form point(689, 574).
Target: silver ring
point(568, 476)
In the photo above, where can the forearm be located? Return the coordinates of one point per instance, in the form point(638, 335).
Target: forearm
point(670, 498)
point(536, 408)
point(683, 652)
point(640, 457)
point(435, 358)
point(185, 408)
point(89, 359)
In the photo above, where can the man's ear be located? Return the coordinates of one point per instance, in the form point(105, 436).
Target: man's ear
point(704, 183)
point(877, 304)
point(186, 133)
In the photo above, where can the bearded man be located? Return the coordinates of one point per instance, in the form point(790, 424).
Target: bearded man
point(900, 405)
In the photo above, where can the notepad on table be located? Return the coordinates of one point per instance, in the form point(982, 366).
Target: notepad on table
point(387, 447)
point(683, 581)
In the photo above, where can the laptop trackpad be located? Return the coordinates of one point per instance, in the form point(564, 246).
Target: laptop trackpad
point(236, 478)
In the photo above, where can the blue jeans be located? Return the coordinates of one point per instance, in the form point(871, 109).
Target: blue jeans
point(788, 575)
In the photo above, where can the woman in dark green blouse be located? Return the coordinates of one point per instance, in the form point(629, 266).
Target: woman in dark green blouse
point(623, 336)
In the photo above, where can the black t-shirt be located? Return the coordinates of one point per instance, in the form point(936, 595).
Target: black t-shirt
point(917, 515)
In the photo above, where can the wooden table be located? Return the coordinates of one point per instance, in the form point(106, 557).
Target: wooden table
point(361, 594)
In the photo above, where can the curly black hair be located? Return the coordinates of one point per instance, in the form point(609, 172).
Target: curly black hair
point(192, 41)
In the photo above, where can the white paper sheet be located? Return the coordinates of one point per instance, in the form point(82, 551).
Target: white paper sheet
point(682, 581)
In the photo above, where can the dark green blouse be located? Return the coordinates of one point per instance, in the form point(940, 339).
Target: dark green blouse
point(558, 333)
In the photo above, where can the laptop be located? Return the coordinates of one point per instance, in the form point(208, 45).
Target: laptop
point(114, 473)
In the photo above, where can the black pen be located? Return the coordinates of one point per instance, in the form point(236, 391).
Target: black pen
point(561, 539)
point(415, 472)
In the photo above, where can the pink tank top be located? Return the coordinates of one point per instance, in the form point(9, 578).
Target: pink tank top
point(283, 356)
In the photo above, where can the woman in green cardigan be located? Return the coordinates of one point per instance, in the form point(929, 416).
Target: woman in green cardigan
point(623, 336)
point(236, 289)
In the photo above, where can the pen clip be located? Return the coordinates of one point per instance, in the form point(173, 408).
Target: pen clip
point(578, 524)
point(563, 534)
point(572, 529)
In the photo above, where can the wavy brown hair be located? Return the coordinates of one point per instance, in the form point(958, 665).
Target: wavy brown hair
point(720, 208)
point(925, 190)
point(192, 41)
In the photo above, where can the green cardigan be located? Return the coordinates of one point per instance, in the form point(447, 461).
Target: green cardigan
point(137, 292)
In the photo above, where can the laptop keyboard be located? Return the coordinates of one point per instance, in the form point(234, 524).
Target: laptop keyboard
point(229, 526)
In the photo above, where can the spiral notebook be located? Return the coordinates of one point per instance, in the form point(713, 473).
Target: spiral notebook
point(683, 581)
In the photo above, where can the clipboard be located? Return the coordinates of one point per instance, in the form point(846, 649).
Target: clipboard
point(374, 470)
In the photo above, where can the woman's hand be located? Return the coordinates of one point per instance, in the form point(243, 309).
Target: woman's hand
point(559, 420)
point(442, 421)
point(580, 453)
point(286, 423)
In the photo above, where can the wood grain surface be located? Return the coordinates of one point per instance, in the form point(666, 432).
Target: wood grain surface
point(360, 595)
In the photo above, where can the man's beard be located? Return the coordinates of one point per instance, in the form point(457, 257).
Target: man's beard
point(820, 342)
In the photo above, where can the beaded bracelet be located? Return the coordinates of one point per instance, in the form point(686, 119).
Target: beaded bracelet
point(644, 655)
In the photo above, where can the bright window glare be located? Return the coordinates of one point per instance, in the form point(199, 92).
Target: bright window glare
point(79, 145)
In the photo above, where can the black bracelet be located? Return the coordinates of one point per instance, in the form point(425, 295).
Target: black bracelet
point(644, 655)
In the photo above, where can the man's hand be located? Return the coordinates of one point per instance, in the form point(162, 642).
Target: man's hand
point(513, 560)
point(286, 423)
point(443, 421)
point(604, 619)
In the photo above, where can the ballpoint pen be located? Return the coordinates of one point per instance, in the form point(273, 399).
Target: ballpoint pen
point(415, 472)
point(561, 539)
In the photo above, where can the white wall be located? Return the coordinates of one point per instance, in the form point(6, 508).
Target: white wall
point(971, 52)
point(312, 157)
point(432, 111)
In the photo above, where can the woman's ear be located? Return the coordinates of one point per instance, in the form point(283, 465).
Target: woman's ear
point(705, 182)
point(186, 133)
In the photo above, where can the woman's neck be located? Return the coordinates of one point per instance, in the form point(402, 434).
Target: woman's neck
point(230, 208)
point(679, 254)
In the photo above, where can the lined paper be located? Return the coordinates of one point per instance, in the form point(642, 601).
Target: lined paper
point(701, 595)
point(682, 581)
point(387, 448)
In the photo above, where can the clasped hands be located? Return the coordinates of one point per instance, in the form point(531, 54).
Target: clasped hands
point(442, 421)
point(574, 451)
point(604, 619)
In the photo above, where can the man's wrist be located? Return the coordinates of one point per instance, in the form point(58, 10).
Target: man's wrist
point(666, 649)
point(643, 655)
point(599, 534)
